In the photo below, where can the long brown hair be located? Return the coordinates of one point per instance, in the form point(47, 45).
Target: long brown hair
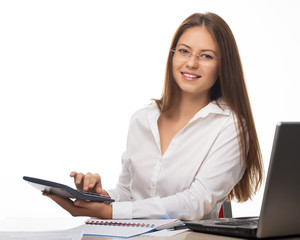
point(230, 85)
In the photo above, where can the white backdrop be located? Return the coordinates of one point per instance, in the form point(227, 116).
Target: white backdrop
point(73, 72)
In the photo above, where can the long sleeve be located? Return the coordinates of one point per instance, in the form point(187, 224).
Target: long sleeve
point(122, 190)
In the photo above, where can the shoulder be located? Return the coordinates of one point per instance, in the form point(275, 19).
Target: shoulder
point(223, 116)
point(217, 112)
point(143, 113)
point(219, 106)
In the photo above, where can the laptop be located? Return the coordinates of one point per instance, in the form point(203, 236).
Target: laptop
point(280, 210)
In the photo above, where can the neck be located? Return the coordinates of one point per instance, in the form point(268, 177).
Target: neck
point(189, 105)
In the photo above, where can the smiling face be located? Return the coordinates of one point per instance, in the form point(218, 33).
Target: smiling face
point(194, 65)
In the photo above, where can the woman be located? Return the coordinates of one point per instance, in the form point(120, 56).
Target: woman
point(193, 148)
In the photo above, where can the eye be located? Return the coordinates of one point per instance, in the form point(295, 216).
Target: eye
point(183, 51)
point(207, 56)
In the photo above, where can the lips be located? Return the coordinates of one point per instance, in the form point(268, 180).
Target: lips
point(190, 76)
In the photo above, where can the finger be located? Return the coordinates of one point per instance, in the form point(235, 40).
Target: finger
point(86, 181)
point(69, 206)
point(65, 203)
point(89, 208)
point(98, 187)
point(82, 204)
point(78, 178)
point(94, 209)
point(104, 193)
point(73, 174)
point(95, 183)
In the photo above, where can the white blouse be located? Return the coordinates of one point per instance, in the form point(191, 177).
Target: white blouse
point(191, 179)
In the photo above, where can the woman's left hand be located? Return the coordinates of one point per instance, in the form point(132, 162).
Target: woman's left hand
point(83, 208)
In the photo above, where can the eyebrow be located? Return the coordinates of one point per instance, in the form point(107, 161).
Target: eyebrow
point(202, 50)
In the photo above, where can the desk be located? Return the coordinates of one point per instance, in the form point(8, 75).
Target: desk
point(47, 224)
point(189, 235)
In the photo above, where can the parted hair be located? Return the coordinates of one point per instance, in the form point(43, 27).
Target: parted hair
point(230, 85)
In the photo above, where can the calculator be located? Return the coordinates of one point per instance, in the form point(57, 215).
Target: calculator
point(65, 191)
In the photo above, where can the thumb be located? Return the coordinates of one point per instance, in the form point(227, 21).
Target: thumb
point(81, 203)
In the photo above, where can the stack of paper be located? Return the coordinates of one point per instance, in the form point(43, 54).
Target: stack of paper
point(51, 235)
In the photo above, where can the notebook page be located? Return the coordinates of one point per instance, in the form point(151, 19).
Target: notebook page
point(124, 228)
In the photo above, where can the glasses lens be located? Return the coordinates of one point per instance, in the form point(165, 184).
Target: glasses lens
point(184, 56)
point(206, 62)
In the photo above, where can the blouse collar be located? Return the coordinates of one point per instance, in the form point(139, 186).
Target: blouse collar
point(214, 107)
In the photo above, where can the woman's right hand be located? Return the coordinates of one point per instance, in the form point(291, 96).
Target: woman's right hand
point(88, 182)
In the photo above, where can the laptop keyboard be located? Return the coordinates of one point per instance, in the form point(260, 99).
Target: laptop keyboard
point(239, 222)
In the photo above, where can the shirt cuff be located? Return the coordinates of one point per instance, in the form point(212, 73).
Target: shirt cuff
point(122, 210)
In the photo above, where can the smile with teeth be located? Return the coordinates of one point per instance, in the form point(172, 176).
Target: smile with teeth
point(190, 76)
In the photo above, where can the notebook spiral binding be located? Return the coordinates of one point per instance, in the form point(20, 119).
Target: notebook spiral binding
point(121, 224)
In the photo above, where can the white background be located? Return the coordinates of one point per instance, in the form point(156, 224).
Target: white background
point(73, 72)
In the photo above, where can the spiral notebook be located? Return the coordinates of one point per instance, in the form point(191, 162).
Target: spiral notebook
point(125, 228)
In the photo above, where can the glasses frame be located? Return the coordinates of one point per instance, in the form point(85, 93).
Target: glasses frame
point(198, 57)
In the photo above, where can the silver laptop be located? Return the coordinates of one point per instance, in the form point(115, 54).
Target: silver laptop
point(280, 210)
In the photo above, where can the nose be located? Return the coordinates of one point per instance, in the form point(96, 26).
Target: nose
point(192, 61)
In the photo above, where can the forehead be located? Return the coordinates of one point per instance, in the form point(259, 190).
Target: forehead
point(198, 38)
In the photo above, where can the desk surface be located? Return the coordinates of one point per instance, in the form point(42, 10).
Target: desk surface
point(189, 235)
point(27, 223)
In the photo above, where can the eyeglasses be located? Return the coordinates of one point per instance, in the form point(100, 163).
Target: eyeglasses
point(182, 54)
